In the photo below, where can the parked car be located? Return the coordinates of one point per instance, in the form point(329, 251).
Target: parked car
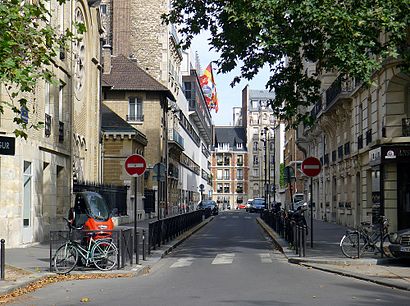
point(209, 205)
point(241, 206)
point(400, 243)
point(258, 205)
point(249, 205)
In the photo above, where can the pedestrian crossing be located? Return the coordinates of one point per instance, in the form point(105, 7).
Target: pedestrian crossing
point(225, 259)
point(235, 217)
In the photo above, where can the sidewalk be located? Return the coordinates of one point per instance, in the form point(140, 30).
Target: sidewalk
point(29, 268)
point(327, 256)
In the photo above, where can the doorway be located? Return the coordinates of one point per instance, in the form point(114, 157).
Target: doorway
point(27, 186)
point(403, 196)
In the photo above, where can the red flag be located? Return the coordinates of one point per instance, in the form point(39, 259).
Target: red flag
point(208, 86)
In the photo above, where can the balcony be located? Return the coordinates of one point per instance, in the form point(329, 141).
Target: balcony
point(175, 141)
point(339, 90)
point(135, 118)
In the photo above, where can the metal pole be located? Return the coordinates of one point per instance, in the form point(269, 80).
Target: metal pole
point(311, 212)
point(2, 259)
point(266, 157)
point(143, 245)
point(274, 165)
point(135, 217)
point(158, 180)
point(269, 162)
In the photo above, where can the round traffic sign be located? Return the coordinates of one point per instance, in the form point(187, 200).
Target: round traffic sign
point(135, 165)
point(311, 166)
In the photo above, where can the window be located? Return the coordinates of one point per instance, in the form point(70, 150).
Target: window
point(103, 9)
point(239, 174)
point(255, 104)
point(219, 174)
point(272, 159)
point(219, 188)
point(226, 174)
point(255, 172)
point(226, 188)
point(239, 145)
point(255, 160)
point(135, 110)
point(60, 102)
point(219, 160)
point(47, 98)
point(239, 160)
point(255, 145)
point(227, 161)
point(239, 188)
point(255, 131)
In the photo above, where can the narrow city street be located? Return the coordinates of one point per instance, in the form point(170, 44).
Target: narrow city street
point(230, 261)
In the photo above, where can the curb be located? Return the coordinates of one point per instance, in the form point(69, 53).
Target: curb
point(358, 276)
point(314, 262)
point(19, 287)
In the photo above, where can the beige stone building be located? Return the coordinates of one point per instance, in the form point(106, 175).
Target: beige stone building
point(263, 143)
point(141, 101)
point(36, 181)
point(361, 134)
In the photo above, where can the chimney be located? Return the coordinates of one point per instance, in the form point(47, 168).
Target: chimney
point(106, 53)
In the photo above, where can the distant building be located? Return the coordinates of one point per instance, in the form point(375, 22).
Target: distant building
point(230, 167)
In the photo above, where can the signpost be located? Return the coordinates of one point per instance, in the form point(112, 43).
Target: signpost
point(311, 166)
point(135, 166)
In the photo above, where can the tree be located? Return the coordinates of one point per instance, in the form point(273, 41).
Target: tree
point(28, 44)
point(346, 36)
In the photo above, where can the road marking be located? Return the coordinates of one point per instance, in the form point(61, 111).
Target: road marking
point(182, 262)
point(235, 217)
point(265, 258)
point(223, 217)
point(223, 259)
point(247, 217)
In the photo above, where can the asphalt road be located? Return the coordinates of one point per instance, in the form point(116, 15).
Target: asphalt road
point(228, 262)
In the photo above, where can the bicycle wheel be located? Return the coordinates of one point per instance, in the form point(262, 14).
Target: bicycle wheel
point(386, 243)
point(349, 245)
point(104, 254)
point(65, 258)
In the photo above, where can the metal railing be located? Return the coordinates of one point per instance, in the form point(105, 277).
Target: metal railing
point(122, 238)
point(164, 230)
point(293, 232)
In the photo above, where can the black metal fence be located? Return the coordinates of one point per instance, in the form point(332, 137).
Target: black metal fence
point(289, 228)
point(164, 230)
point(122, 238)
point(115, 196)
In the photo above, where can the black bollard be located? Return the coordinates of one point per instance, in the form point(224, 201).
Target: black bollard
point(137, 260)
point(2, 259)
point(143, 245)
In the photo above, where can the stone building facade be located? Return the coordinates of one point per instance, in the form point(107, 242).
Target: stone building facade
point(263, 143)
point(230, 168)
point(36, 182)
point(361, 136)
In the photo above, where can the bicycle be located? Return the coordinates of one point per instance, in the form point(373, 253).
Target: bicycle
point(102, 253)
point(367, 239)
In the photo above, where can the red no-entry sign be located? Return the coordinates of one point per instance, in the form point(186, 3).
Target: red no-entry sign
point(311, 166)
point(135, 165)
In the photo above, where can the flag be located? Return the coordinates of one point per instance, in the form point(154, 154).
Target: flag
point(208, 86)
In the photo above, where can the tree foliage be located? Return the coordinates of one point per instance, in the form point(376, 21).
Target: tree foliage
point(342, 36)
point(28, 44)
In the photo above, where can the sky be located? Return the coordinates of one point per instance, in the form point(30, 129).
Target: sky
point(228, 97)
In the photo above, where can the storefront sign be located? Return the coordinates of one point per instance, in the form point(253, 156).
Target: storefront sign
point(7, 145)
point(389, 154)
